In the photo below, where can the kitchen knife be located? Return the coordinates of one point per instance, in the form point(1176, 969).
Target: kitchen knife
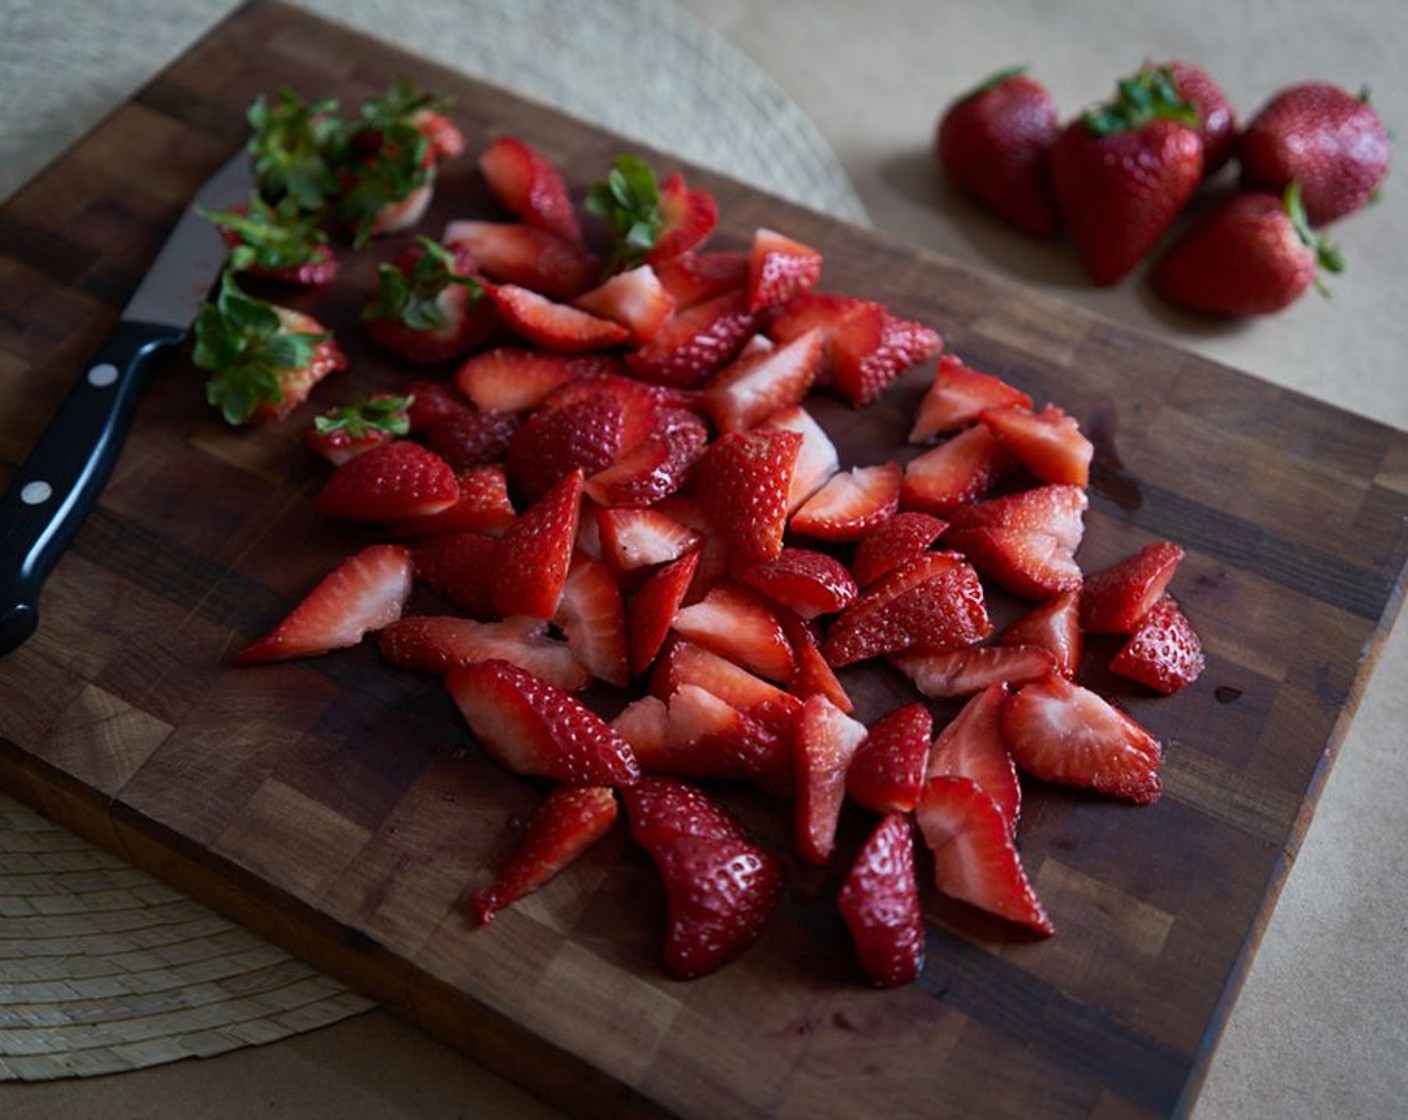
point(60, 481)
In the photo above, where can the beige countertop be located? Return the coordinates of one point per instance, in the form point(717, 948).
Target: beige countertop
point(1321, 1025)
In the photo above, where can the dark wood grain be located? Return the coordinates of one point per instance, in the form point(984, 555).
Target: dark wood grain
point(343, 810)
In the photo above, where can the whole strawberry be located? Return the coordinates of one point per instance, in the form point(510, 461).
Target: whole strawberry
point(1124, 170)
point(1330, 141)
point(1254, 255)
point(995, 143)
point(1219, 120)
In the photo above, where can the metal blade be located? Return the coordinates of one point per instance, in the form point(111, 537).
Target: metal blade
point(180, 278)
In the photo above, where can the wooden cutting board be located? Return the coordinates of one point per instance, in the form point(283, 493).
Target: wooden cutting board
point(343, 810)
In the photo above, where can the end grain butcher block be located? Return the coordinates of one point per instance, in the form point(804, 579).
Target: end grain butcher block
point(343, 809)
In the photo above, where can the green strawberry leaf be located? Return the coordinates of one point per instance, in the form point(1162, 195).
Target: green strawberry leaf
point(414, 300)
point(381, 412)
point(292, 149)
point(1150, 95)
point(270, 237)
point(628, 200)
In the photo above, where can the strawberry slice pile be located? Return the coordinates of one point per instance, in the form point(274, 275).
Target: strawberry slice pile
point(610, 522)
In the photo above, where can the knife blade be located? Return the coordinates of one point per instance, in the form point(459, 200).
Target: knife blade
point(60, 480)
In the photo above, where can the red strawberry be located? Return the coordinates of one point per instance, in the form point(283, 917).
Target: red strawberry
point(531, 559)
point(1115, 600)
point(656, 467)
point(971, 746)
point(851, 504)
point(431, 401)
point(515, 379)
point(1253, 255)
point(960, 470)
point(365, 592)
point(737, 624)
point(592, 617)
point(895, 541)
point(705, 737)
point(532, 727)
point(975, 860)
point(553, 325)
point(526, 256)
point(428, 307)
point(400, 479)
point(1060, 732)
point(695, 342)
point(1053, 626)
point(961, 672)
point(1123, 172)
point(1164, 653)
point(1321, 136)
point(1048, 443)
point(483, 507)
point(529, 185)
point(816, 462)
point(344, 433)
point(742, 482)
point(956, 397)
point(653, 609)
point(643, 723)
point(813, 676)
point(686, 663)
point(442, 643)
point(805, 582)
point(935, 601)
point(1025, 541)
point(879, 902)
point(720, 886)
point(694, 277)
point(689, 216)
point(279, 243)
point(761, 382)
point(472, 437)
point(585, 434)
point(441, 133)
point(459, 566)
point(995, 143)
point(1218, 128)
point(568, 821)
point(887, 772)
point(634, 538)
point(635, 299)
point(827, 740)
point(778, 269)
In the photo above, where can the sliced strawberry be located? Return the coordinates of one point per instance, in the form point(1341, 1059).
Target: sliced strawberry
point(1164, 653)
point(531, 727)
point(441, 133)
point(635, 299)
point(643, 723)
point(960, 672)
point(755, 385)
point(816, 462)
point(694, 277)
point(742, 481)
point(529, 185)
point(568, 822)
point(653, 609)
point(806, 582)
point(1114, 600)
point(870, 353)
point(1060, 732)
point(739, 625)
point(553, 325)
point(960, 470)
point(532, 557)
point(813, 676)
point(975, 860)
point(483, 507)
point(442, 643)
point(472, 437)
point(525, 256)
point(696, 342)
point(713, 549)
point(345, 432)
point(592, 617)
point(586, 435)
point(779, 268)
point(827, 740)
point(971, 745)
point(398, 479)
point(935, 601)
point(1048, 443)
point(957, 397)
point(365, 592)
point(656, 467)
point(515, 379)
point(852, 504)
point(634, 538)
point(460, 567)
point(1025, 541)
point(879, 903)
point(686, 663)
point(720, 886)
point(1053, 625)
point(896, 541)
point(887, 772)
point(690, 215)
point(705, 737)
point(431, 401)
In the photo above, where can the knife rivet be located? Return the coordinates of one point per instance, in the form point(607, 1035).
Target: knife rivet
point(35, 493)
point(102, 375)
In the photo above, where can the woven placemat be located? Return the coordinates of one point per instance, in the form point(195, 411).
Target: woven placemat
point(102, 967)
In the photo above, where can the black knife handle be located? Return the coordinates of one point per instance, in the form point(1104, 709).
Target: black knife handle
point(59, 483)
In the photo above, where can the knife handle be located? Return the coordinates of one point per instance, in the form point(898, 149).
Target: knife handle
point(59, 483)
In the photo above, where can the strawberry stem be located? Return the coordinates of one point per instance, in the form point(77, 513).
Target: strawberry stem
point(1327, 254)
point(1150, 95)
